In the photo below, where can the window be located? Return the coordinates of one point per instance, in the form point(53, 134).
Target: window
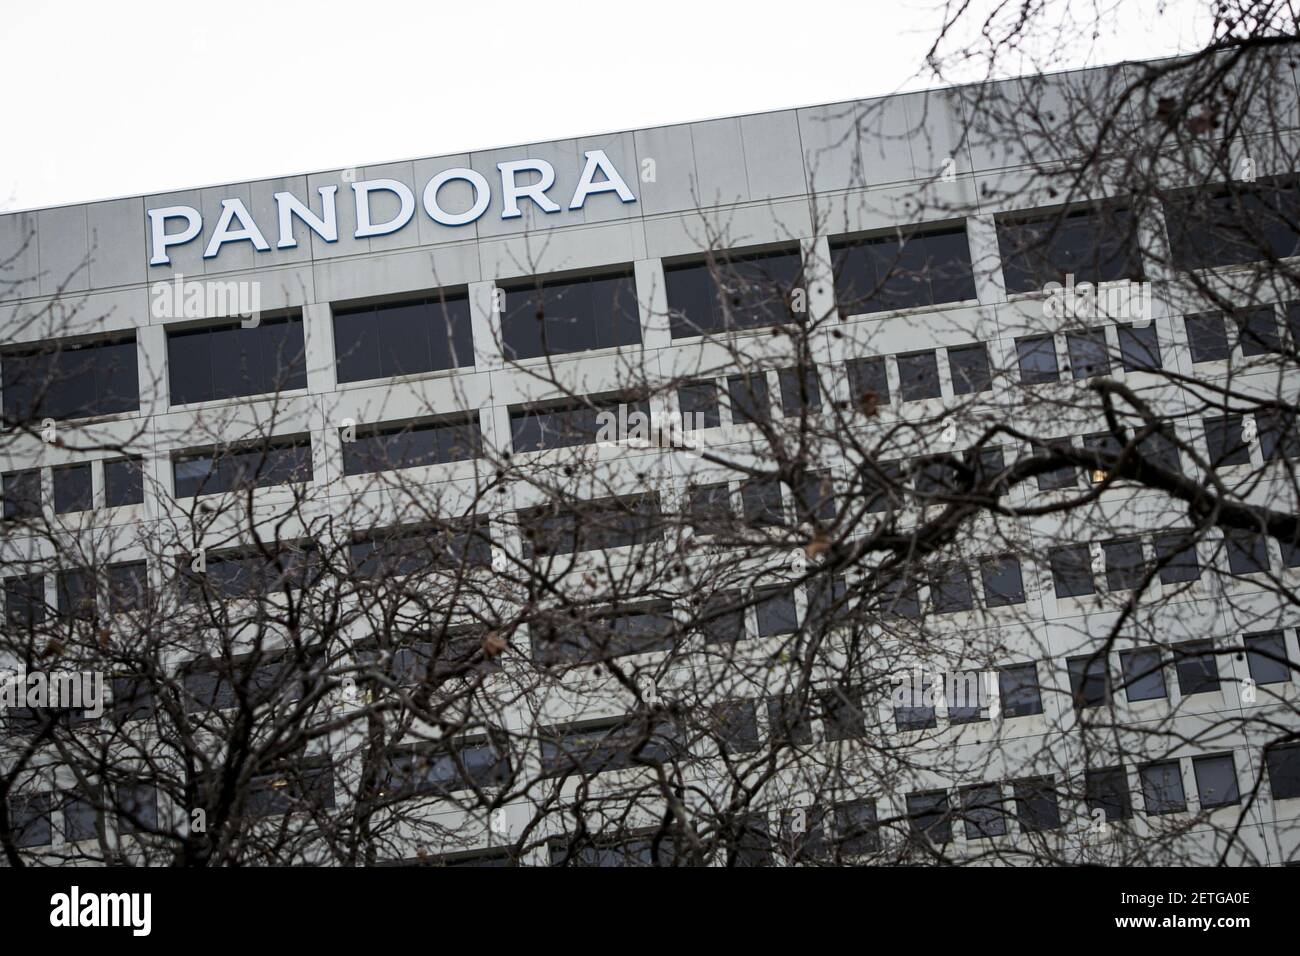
point(1144, 674)
point(869, 383)
point(789, 720)
point(29, 819)
point(1018, 690)
point(1216, 780)
point(1125, 565)
point(643, 629)
point(1109, 447)
point(1092, 246)
point(61, 380)
point(239, 574)
point(1036, 804)
point(1176, 554)
point(1037, 358)
point(76, 593)
point(593, 526)
point(1107, 790)
point(913, 698)
point(1159, 448)
point(229, 361)
point(79, 818)
point(1207, 337)
point(898, 596)
point(1071, 571)
point(827, 602)
point(749, 399)
point(128, 586)
point(123, 482)
point(24, 600)
point(721, 619)
point(710, 507)
point(1197, 668)
point(987, 465)
point(918, 376)
point(747, 841)
point(880, 484)
point(1224, 442)
point(572, 423)
point(1283, 771)
point(1162, 787)
point(1247, 551)
point(982, 813)
point(902, 271)
point(413, 445)
point(1139, 347)
point(735, 726)
point(253, 680)
point(967, 695)
point(277, 462)
point(928, 817)
point(1278, 435)
point(776, 611)
point(699, 404)
point(403, 338)
point(1066, 476)
point(1089, 681)
point(969, 365)
point(814, 498)
point(1003, 584)
point(1088, 353)
point(444, 768)
point(733, 291)
point(950, 589)
point(570, 315)
point(305, 785)
point(137, 808)
point(841, 712)
point(761, 498)
point(73, 489)
point(936, 476)
point(407, 549)
point(1257, 332)
point(22, 494)
point(800, 391)
point(1267, 658)
point(856, 827)
point(1244, 222)
point(597, 851)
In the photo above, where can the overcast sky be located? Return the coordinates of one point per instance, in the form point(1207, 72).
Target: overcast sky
point(111, 99)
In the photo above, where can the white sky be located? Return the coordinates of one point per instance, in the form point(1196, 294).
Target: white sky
point(106, 99)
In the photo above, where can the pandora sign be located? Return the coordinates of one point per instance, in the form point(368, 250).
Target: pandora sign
point(176, 225)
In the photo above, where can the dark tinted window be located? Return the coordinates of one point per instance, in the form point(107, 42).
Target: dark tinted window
point(969, 365)
point(762, 501)
point(73, 489)
point(841, 709)
point(1162, 787)
point(71, 381)
point(76, 593)
point(24, 600)
point(982, 811)
point(735, 726)
point(123, 482)
point(128, 586)
point(403, 338)
point(1088, 680)
point(1278, 435)
point(1207, 337)
point(1036, 804)
point(1091, 246)
point(1247, 551)
point(800, 390)
point(610, 745)
point(593, 526)
point(22, 494)
point(1139, 347)
point(1257, 331)
point(881, 483)
point(277, 463)
point(1003, 584)
point(577, 423)
point(1267, 659)
point(1176, 552)
point(459, 765)
point(1224, 443)
point(29, 819)
point(1197, 668)
point(230, 361)
point(749, 398)
point(699, 404)
point(1107, 790)
point(893, 272)
point(928, 817)
point(918, 376)
point(789, 720)
point(1088, 353)
point(732, 292)
point(570, 315)
point(868, 382)
point(1242, 223)
point(1071, 571)
point(412, 445)
point(308, 785)
point(950, 589)
point(710, 505)
point(1216, 780)
point(1018, 690)
point(1144, 674)
point(1125, 565)
point(1037, 358)
point(776, 611)
point(856, 827)
point(1284, 771)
